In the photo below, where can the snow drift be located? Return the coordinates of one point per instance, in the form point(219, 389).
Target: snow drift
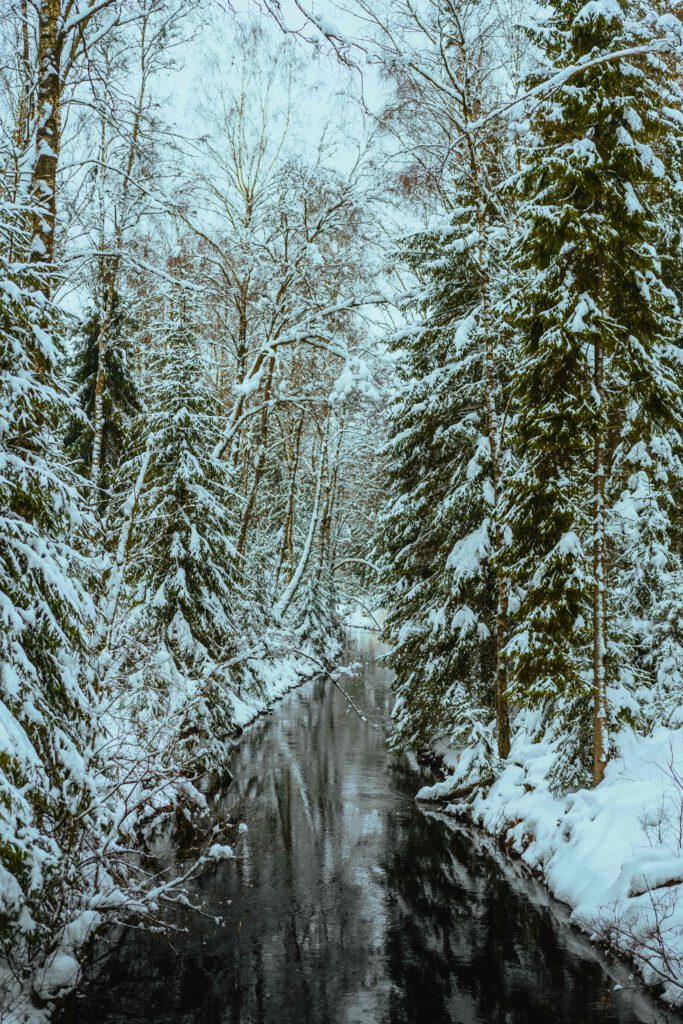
point(614, 854)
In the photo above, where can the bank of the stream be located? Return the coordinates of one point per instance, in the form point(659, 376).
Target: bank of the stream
point(349, 904)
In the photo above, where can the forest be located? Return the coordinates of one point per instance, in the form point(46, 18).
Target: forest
point(369, 313)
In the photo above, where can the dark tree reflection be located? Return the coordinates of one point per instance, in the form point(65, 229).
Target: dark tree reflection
point(351, 905)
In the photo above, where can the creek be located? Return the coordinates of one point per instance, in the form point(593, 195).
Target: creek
point(350, 904)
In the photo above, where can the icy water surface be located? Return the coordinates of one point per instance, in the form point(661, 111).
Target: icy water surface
point(352, 905)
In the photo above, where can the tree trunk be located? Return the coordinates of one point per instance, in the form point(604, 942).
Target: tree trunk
point(102, 342)
point(258, 464)
point(287, 547)
point(328, 504)
point(502, 708)
point(492, 428)
point(47, 132)
point(97, 422)
point(24, 108)
point(600, 737)
point(293, 585)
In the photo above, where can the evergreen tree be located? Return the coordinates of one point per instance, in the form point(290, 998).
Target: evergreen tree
point(187, 596)
point(316, 619)
point(647, 516)
point(450, 458)
point(438, 534)
point(597, 322)
point(646, 527)
point(103, 367)
point(44, 616)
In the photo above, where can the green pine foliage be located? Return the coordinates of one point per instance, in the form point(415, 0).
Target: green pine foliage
point(594, 182)
point(45, 707)
point(648, 489)
point(120, 399)
point(436, 534)
point(647, 526)
point(588, 373)
point(183, 571)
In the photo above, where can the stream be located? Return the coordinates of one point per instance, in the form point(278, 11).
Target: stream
point(349, 904)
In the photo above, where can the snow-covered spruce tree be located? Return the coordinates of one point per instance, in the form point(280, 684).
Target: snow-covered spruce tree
point(452, 81)
point(44, 615)
point(597, 320)
point(186, 600)
point(107, 392)
point(437, 533)
point(646, 526)
point(664, 647)
point(316, 620)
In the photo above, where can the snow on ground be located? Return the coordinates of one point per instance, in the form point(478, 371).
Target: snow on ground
point(277, 678)
point(613, 854)
point(361, 616)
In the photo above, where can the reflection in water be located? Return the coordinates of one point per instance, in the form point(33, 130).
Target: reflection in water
point(351, 905)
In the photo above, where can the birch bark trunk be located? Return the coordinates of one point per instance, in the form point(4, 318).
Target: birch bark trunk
point(293, 585)
point(47, 133)
point(258, 464)
point(287, 547)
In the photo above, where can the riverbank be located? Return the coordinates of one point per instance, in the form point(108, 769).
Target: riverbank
point(348, 904)
point(613, 855)
point(34, 1001)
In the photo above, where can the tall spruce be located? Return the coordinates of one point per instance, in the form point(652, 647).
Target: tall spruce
point(460, 361)
point(107, 395)
point(598, 320)
point(646, 516)
point(438, 535)
point(44, 616)
point(187, 595)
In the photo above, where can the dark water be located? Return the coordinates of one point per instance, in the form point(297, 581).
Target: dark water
point(351, 905)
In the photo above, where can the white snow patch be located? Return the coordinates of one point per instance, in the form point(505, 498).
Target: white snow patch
point(614, 854)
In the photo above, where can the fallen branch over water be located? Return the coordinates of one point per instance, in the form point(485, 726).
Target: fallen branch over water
point(324, 670)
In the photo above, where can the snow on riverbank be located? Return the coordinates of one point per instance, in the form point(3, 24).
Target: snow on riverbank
point(276, 678)
point(273, 678)
point(613, 854)
point(367, 615)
